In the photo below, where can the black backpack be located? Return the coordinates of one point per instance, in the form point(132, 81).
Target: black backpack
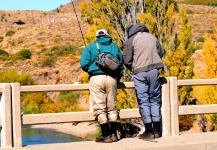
point(106, 61)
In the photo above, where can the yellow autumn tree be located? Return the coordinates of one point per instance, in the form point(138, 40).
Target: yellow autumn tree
point(38, 102)
point(126, 98)
point(208, 94)
point(103, 14)
point(116, 16)
point(178, 59)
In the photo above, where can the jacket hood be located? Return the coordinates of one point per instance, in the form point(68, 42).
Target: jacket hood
point(138, 28)
point(104, 40)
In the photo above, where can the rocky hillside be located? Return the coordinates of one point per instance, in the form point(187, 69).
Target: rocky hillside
point(45, 29)
point(41, 29)
point(203, 19)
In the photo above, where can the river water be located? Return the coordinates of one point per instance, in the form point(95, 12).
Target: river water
point(32, 136)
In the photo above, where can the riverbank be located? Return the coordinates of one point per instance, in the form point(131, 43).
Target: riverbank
point(82, 129)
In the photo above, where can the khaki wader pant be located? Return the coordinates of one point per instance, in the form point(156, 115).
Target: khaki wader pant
point(103, 91)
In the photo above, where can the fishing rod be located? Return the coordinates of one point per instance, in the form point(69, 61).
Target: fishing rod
point(78, 22)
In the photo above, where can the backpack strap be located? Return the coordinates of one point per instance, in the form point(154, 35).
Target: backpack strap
point(97, 45)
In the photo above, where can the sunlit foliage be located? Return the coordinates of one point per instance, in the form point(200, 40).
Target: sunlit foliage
point(117, 15)
point(126, 98)
point(33, 103)
point(208, 94)
point(11, 76)
point(178, 59)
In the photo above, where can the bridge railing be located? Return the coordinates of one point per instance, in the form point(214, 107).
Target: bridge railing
point(177, 110)
point(5, 115)
point(170, 108)
point(32, 119)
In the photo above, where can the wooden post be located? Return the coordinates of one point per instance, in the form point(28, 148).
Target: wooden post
point(6, 116)
point(174, 106)
point(16, 111)
point(165, 110)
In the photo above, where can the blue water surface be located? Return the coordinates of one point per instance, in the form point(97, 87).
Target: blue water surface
point(32, 136)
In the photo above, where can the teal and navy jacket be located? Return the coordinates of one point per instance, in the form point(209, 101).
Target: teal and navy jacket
point(90, 52)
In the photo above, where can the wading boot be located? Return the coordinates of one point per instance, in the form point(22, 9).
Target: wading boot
point(157, 129)
point(148, 135)
point(105, 137)
point(113, 127)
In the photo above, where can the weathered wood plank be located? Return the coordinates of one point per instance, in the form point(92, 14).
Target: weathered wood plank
point(194, 82)
point(50, 118)
point(197, 109)
point(66, 87)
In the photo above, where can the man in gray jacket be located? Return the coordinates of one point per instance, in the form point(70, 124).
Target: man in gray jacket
point(142, 55)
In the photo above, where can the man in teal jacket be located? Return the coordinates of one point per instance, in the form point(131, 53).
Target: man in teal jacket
point(103, 86)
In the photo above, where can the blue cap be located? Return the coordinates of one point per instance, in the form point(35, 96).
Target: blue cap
point(128, 30)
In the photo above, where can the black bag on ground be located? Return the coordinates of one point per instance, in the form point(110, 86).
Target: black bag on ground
point(106, 61)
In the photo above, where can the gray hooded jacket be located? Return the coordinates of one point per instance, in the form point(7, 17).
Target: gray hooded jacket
point(142, 51)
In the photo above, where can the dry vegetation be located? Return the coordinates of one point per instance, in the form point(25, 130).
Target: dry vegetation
point(43, 29)
point(202, 18)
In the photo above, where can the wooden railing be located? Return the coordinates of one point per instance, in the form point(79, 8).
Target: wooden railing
point(12, 120)
point(177, 110)
point(5, 115)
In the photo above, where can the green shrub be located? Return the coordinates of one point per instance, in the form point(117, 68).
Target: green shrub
point(72, 97)
point(30, 109)
point(10, 33)
point(63, 50)
point(214, 121)
point(48, 53)
point(188, 11)
point(200, 39)
point(212, 4)
point(1, 38)
point(3, 52)
point(210, 31)
point(4, 55)
point(25, 54)
point(185, 122)
point(11, 76)
point(69, 101)
point(12, 43)
point(3, 17)
point(57, 10)
point(43, 50)
point(15, 58)
point(48, 62)
point(200, 2)
point(36, 102)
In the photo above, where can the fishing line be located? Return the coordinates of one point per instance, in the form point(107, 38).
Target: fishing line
point(78, 22)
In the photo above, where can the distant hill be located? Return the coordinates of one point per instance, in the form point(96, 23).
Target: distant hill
point(41, 29)
point(203, 19)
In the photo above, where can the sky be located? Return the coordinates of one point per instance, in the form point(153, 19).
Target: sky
point(44, 5)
